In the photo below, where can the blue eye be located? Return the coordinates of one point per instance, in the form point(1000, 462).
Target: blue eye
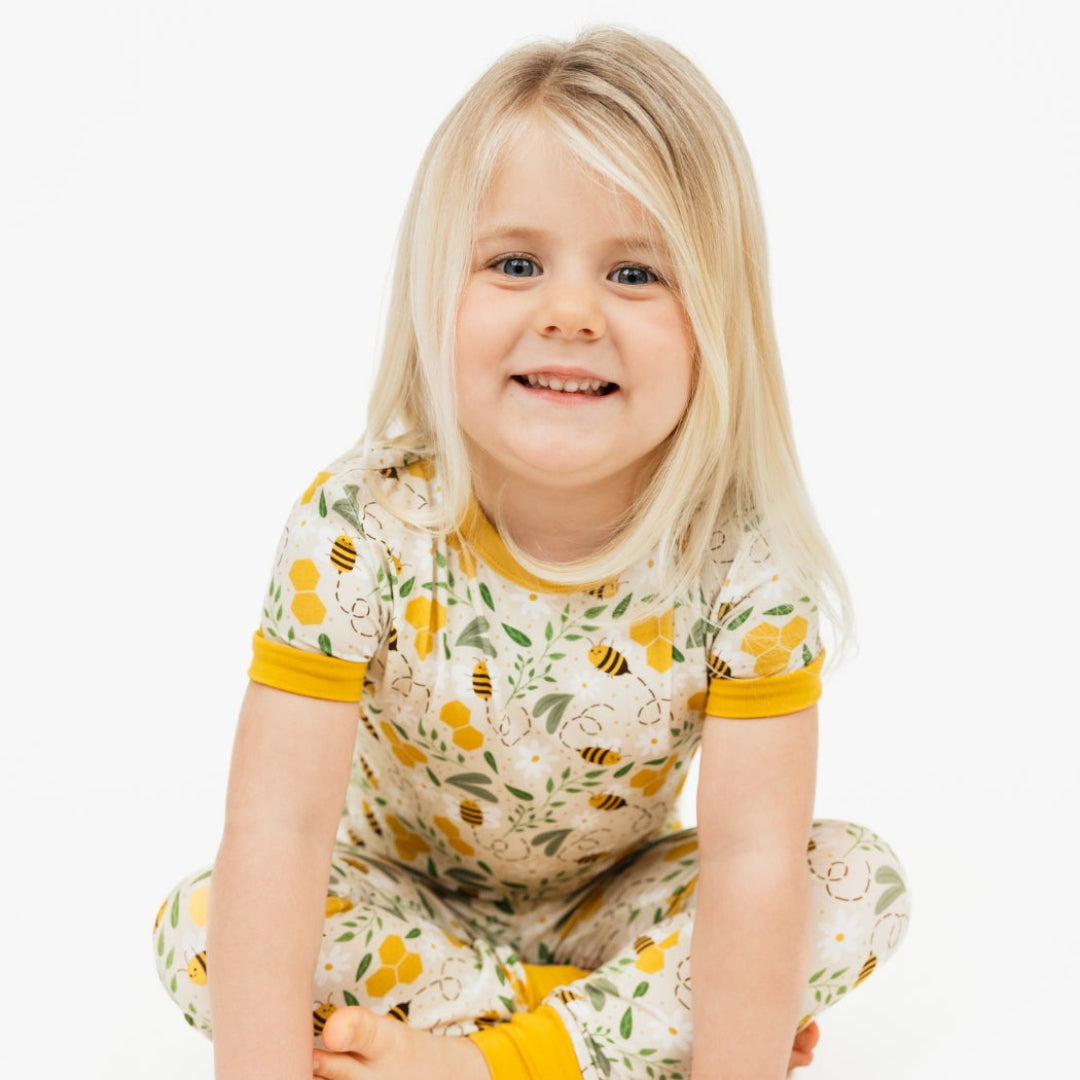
point(517, 266)
point(633, 275)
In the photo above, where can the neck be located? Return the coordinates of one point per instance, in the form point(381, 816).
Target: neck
point(551, 523)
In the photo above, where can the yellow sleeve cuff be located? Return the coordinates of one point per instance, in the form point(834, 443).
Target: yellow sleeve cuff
point(751, 699)
point(530, 1046)
point(310, 674)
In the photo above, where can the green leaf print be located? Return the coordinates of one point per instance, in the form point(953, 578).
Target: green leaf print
point(349, 508)
point(473, 637)
point(782, 609)
point(807, 657)
point(517, 636)
point(817, 975)
point(174, 912)
point(554, 705)
point(322, 502)
point(621, 606)
point(485, 595)
point(161, 944)
point(641, 989)
point(886, 875)
point(406, 587)
point(549, 632)
point(169, 959)
point(624, 770)
point(519, 794)
point(489, 757)
point(595, 996)
point(350, 999)
point(553, 840)
point(324, 644)
point(595, 612)
point(626, 1024)
point(413, 933)
point(740, 619)
point(347, 936)
point(364, 965)
point(676, 655)
point(472, 783)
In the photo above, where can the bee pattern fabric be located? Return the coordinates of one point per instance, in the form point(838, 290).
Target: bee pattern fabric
point(520, 752)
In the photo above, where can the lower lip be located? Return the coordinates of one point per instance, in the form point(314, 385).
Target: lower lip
point(560, 397)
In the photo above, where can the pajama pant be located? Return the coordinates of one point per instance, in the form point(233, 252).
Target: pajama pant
point(609, 963)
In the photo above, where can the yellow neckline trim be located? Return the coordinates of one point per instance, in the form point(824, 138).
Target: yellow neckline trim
point(480, 535)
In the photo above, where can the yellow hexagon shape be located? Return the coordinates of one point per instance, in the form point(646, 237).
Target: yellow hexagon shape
point(659, 656)
point(650, 960)
point(469, 738)
point(454, 713)
point(198, 905)
point(772, 662)
point(308, 608)
point(646, 631)
point(382, 982)
point(764, 636)
point(303, 575)
point(794, 632)
point(392, 950)
point(410, 968)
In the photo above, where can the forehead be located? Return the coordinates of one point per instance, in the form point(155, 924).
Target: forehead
point(538, 181)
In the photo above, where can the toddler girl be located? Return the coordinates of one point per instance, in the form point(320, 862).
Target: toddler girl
point(573, 546)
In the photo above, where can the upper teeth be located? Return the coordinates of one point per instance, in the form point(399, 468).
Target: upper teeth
point(569, 386)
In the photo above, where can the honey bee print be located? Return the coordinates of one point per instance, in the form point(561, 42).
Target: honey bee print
point(196, 969)
point(605, 590)
point(481, 680)
point(322, 1012)
point(343, 553)
point(372, 820)
point(598, 755)
point(602, 801)
point(865, 971)
point(608, 660)
point(400, 1012)
point(487, 1019)
point(717, 668)
point(368, 773)
point(471, 813)
point(566, 994)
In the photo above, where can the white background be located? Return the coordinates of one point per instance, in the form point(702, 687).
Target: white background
point(197, 208)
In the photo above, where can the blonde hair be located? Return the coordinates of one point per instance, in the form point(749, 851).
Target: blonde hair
point(639, 113)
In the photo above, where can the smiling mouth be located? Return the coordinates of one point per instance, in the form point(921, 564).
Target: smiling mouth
point(588, 387)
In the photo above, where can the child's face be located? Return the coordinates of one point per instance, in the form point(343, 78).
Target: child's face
point(574, 357)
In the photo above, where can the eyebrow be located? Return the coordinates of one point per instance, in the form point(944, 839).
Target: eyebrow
point(509, 230)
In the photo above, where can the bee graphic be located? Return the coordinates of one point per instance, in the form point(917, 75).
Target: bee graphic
point(196, 969)
point(811, 845)
point(481, 680)
point(718, 669)
point(392, 639)
point(605, 590)
point(389, 473)
point(486, 1019)
point(724, 610)
point(376, 828)
point(161, 911)
point(369, 774)
point(866, 971)
point(401, 1012)
point(471, 813)
point(596, 856)
point(607, 802)
point(368, 725)
point(395, 560)
point(642, 943)
point(597, 755)
point(566, 994)
point(321, 1015)
point(608, 660)
point(343, 553)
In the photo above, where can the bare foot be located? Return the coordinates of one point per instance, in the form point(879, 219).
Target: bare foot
point(802, 1050)
point(361, 1045)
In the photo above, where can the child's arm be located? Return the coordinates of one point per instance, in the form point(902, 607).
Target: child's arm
point(290, 770)
point(752, 930)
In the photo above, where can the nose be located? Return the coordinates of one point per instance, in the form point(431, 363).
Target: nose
point(572, 311)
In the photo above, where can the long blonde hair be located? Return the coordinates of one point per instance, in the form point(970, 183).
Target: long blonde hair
point(639, 113)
